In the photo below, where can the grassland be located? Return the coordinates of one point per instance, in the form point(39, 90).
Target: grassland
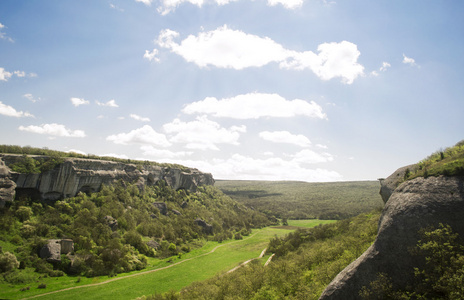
point(303, 200)
point(160, 276)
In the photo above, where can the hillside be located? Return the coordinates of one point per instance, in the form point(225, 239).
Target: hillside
point(303, 200)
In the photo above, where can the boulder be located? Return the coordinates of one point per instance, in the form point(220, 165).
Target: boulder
point(414, 205)
point(51, 251)
point(207, 228)
point(162, 207)
point(7, 186)
point(111, 222)
point(153, 244)
point(176, 212)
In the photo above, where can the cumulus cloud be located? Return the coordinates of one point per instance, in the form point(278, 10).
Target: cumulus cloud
point(31, 98)
point(408, 60)
point(5, 75)
point(235, 49)
point(254, 106)
point(167, 6)
point(110, 103)
point(145, 135)
point(3, 35)
point(289, 4)
point(151, 56)
point(241, 167)
point(285, 137)
point(307, 156)
point(53, 130)
point(78, 101)
point(122, 156)
point(202, 134)
point(76, 151)
point(139, 118)
point(9, 111)
point(161, 154)
point(383, 68)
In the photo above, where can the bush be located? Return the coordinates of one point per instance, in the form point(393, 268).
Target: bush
point(8, 262)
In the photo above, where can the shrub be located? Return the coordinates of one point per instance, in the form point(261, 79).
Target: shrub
point(8, 262)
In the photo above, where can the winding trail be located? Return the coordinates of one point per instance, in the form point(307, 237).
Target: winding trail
point(152, 271)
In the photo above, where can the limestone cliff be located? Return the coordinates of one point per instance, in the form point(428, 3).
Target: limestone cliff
point(76, 175)
point(413, 205)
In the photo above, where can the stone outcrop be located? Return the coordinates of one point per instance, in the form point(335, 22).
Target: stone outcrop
point(207, 228)
point(76, 175)
point(389, 184)
point(162, 207)
point(53, 249)
point(7, 186)
point(413, 205)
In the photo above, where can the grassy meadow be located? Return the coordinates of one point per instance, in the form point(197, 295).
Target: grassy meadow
point(161, 275)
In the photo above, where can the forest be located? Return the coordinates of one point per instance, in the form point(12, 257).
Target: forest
point(305, 200)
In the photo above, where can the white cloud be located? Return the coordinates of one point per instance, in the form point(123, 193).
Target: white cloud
point(385, 66)
point(9, 111)
point(78, 101)
point(139, 118)
point(145, 135)
point(76, 151)
point(3, 35)
point(5, 75)
point(408, 60)
point(161, 154)
point(53, 130)
point(151, 56)
point(285, 137)
point(168, 6)
point(31, 98)
point(116, 7)
point(202, 134)
point(228, 48)
point(146, 2)
point(123, 156)
point(254, 106)
point(240, 167)
point(110, 103)
point(289, 4)
point(307, 156)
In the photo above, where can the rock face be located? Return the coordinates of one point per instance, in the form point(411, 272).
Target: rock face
point(7, 186)
point(76, 175)
point(413, 205)
point(389, 184)
point(207, 228)
point(54, 248)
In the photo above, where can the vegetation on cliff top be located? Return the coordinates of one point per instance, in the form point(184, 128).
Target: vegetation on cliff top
point(59, 155)
point(448, 162)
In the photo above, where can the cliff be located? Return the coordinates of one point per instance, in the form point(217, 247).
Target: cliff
point(410, 206)
point(76, 175)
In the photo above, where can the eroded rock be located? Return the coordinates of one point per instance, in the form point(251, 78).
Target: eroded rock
point(413, 205)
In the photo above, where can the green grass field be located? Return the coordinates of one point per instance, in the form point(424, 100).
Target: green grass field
point(197, 265)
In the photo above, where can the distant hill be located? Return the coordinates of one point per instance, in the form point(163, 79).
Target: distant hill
point(304, 200)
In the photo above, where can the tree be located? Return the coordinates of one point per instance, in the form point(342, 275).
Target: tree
point(8, 262)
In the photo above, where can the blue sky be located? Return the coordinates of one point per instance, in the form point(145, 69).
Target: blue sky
point(307, 90)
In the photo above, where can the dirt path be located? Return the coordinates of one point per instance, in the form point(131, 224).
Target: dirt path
point(151, 271)
point(246, 262)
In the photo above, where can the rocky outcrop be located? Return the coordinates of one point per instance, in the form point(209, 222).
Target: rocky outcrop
point(413, 205)
point(7, 186)
point(53, 249)
point(76, 175)
point(162, 207)
point(389, 184)
point(207, 228)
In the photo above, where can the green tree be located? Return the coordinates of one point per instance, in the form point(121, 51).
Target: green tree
point(8, 262)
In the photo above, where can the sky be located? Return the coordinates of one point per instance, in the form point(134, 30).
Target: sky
point(308, 90)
